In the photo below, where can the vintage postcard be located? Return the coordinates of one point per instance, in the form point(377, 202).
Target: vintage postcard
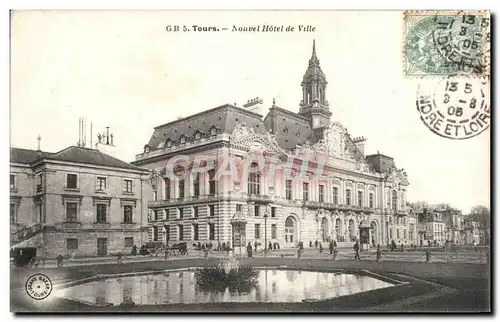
point(250, 161)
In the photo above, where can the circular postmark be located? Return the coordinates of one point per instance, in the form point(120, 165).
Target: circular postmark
point(38, 286)
point(449, 44)
point(457, 108)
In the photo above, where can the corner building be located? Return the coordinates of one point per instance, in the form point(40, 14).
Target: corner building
point(288, 205)
point(77, 202)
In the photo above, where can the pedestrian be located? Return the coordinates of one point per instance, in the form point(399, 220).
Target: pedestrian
point(249, 250)
point(270, 247)
point(255, 245)
point(59, 261)
point(356, 251)
point(330, 247)
point(379, 253)
point(335, 251)
point(316, 244)
point(120, 258)
point(310, 244)
point(134, 250)
point(320, 248)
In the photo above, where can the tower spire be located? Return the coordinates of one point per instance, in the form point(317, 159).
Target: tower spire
point(314, 58)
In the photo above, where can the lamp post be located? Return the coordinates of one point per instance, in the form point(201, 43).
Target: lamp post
point(265, 233)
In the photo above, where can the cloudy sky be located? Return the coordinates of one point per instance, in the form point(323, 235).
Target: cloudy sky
point(123, 70)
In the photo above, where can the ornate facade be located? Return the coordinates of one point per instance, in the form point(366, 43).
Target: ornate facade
point(290, 177)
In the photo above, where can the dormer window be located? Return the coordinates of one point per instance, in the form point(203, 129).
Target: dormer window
point(213, 131)
point(197, 136)
point(183, 140)
point(146, 148)
point(168, 144)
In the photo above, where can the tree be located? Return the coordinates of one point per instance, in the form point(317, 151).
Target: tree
point(418, 206)
point(482, 214)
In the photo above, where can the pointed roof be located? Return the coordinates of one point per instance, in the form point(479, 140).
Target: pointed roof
point(314, 69)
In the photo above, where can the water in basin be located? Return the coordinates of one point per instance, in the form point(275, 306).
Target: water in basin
point(273, 285)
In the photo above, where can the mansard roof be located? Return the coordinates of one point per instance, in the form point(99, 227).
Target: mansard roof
point(224, 118)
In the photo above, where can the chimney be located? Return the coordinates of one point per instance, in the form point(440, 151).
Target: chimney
point(360, 144)
point(254, 105)
point(107, 135)
point(39, 138)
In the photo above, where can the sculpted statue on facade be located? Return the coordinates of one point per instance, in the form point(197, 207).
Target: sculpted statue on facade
point(154, 180)
point(240, 131)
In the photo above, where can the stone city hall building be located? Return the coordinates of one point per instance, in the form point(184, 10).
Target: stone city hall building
point(76, 202)
point(355, 189)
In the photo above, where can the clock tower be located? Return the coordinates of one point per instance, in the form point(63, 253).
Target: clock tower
point(314, 105)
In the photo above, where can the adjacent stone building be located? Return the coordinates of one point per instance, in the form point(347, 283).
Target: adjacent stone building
point(76, 202)
point(296, 177)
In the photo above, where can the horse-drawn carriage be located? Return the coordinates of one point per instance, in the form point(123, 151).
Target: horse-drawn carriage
point(177, 249)
point(25, 257)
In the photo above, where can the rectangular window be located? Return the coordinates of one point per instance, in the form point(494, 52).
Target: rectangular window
point(71, 243)
point(128, 214)
point(288, 190)
point(273, 212)
point(181, 189)
point(254, 180)
point(211, 209)
point(39, 182)
point(211, 182)
point(257, 231)
point(404, 233)
point(101, 212)
point(274, 231)
point(195, 211)
point(167, 188)
point(305, 191)
point(129, 241)
point(239, 208)
point(71, 211)
point(211, 231)
point(156, 213)
point(155, 195)
point(71, 181)
point(397, 233)
point(335, 195)
point(196, 185)
point(390, 233)
point(180, 229)
point(127, 185)
point(100, 184)
point(348, 197)
point(181, 213)
point(257, 211)
point(360, 198)
point(370, 197)
point(13, 213)
point(195, 231)
point(321, 193)
point(13, 181)
point(155, 233)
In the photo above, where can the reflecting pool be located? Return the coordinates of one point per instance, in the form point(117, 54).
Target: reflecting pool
point(274, 285)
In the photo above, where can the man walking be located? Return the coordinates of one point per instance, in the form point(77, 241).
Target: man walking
point(356, 250)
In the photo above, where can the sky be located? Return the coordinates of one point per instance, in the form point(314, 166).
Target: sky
point(125, 71)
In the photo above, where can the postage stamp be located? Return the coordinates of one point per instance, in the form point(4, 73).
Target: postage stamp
point(446, 43)
point(457, 108)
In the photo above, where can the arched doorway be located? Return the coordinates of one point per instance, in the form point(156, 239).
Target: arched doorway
point(338, 230)
point(373, 234)
point(290, 230)
point(352, 231)
point(324, 229)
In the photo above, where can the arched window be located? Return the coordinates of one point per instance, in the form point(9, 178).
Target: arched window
point(394, 200)
point(183, 139)
point(254, 180)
